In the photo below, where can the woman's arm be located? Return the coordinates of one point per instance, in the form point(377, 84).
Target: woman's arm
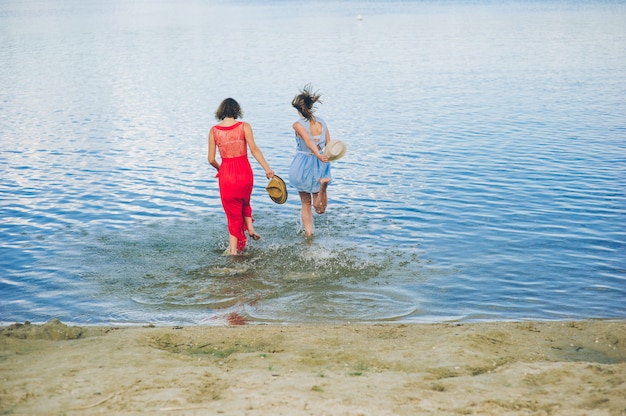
point(256, 152)
point(301, 131)
point(211, 158)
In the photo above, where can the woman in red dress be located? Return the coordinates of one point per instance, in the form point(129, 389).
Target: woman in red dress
point(235, 178)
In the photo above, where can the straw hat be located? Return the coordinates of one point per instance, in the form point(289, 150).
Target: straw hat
point(277, 190)
point(335, 150)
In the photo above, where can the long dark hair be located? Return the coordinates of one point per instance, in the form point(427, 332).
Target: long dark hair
point(228, 108)
point(305, 102)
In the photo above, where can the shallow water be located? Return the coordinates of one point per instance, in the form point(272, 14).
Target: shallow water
point(484, 178)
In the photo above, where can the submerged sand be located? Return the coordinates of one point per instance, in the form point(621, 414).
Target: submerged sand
point(514, 368)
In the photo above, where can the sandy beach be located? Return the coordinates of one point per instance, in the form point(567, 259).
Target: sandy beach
point(512, 368)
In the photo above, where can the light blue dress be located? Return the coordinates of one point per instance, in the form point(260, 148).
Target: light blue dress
point(306, 170)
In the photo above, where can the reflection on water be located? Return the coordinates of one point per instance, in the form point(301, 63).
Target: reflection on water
point(484, 177)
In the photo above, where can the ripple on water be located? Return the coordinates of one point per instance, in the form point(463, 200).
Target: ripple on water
point(333, 305)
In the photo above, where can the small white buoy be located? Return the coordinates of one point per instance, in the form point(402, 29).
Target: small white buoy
point(359, 18)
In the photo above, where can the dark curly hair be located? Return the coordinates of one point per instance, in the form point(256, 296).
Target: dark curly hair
point(228, 108)
point(305, 102)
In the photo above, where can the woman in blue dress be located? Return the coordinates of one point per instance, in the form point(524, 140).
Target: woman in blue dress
point(310, 171)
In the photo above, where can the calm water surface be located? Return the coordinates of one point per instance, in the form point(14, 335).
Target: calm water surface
point(484, 180)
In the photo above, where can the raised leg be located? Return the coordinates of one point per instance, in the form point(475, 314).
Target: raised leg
point(320, 199)
point(251, 232)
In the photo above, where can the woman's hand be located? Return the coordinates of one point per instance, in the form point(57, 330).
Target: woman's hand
point(322, 157)
point(269, 174)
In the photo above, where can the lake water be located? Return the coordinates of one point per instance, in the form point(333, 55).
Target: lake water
point(485, 177)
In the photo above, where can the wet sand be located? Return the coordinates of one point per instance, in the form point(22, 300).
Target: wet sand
point(512, 368)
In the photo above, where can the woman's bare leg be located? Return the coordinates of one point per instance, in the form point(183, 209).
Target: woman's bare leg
point(250, 228)
point(232, 244)
point(307, 215)
point(320, 200)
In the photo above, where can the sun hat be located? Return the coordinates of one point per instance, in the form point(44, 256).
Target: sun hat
point(335, 150)
point(277, 190)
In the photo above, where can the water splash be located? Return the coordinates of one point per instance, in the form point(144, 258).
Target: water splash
point(163, 268)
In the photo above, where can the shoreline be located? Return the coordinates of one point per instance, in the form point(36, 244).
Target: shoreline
point(510, 368)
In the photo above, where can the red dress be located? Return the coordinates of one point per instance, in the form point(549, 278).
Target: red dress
point(235, 178)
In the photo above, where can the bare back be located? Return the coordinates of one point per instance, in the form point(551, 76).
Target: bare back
point(315, 128)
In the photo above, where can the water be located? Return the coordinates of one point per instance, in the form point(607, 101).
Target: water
point(484, 178)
